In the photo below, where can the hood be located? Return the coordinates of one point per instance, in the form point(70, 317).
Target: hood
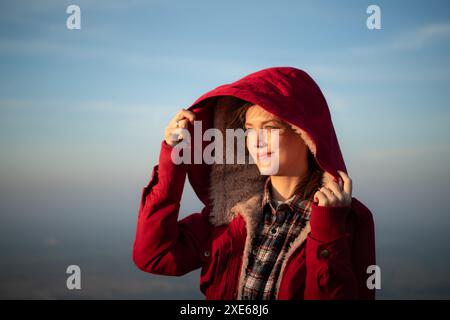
point(288, 93)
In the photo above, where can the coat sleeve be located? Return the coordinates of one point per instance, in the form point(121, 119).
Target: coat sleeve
point(163, 245)
point(337, 259)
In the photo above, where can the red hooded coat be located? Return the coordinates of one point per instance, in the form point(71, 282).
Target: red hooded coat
point(329, 258)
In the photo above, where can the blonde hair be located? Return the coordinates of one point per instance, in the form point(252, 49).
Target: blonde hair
point(238, 116)
point(310, 185)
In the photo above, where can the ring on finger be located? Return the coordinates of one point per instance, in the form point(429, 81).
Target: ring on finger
point(327, 189)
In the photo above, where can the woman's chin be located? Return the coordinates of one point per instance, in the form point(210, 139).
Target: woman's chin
point(267, 168)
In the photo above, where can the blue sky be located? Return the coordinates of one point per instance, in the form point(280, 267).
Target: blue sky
point(82, 115)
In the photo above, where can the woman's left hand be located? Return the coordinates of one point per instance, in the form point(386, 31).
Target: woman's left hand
point(333, 194)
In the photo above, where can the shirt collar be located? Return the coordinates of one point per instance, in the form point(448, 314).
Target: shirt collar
point(293, 202)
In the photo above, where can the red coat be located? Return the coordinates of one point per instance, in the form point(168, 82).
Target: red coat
point(329, 258)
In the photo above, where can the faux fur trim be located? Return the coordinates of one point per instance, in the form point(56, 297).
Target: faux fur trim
point(238, 188)
point(251, 218)
point(232, 186)
point(306, 138)
point(293, 246)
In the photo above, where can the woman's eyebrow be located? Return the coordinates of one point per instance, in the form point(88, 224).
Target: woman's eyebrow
point(267, 121)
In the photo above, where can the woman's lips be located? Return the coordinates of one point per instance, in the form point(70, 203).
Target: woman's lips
point(263, 156)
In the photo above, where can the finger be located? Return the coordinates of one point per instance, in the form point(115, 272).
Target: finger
point(347, 182)
point(183, 123)
point(337, 191)
point(341, 183)
point(185, 114)
point(338, 181)
point(181, 115)
point(179, 134)
point(320, 198)
point(330, 195)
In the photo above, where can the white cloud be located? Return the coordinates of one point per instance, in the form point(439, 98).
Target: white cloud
point(419, 38)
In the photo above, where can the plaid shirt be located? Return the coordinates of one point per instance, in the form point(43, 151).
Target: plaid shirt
point(278, 227)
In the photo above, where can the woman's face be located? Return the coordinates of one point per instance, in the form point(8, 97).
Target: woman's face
point(288, 157)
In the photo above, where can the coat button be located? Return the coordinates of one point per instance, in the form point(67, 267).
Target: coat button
point(206, 253)
point(324, 253)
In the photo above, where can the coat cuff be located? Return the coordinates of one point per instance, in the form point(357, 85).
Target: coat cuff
point(166, 165)
point(328, 223)
point(168, 178)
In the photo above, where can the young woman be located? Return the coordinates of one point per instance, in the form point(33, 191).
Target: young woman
point(294, 234)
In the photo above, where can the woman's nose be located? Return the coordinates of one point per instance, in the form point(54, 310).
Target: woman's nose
point(259, 138)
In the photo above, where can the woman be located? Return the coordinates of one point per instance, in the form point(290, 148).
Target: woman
point(295, 234)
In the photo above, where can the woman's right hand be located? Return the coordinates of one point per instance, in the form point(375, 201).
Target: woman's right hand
point(173, 133)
